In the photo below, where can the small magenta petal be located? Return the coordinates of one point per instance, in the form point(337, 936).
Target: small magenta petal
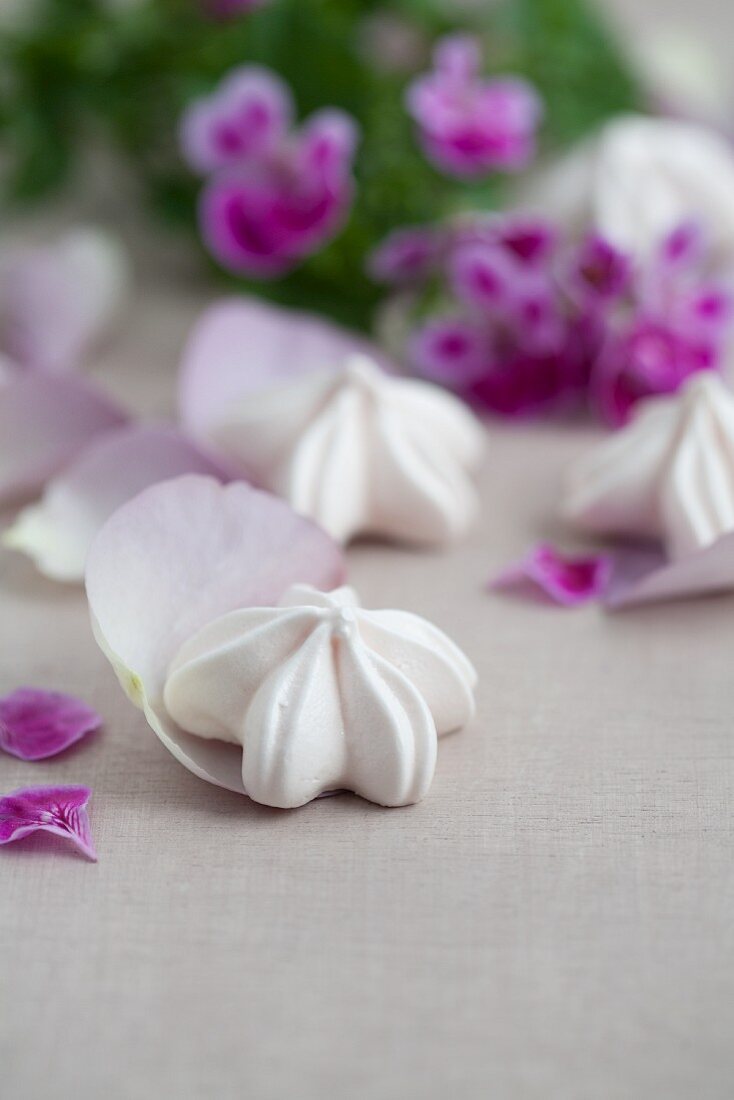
point(61, 811)
point(568, 581)
point(36, 724)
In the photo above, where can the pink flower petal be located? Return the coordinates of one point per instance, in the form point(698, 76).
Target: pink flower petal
point(643, 574)
point(58, 531)
point(57, 299)
point(178, 556)
point(246, 116)
point(58, 810)
point(37, 724)
point(568, 581)
point(241, 344)
point(44, 423)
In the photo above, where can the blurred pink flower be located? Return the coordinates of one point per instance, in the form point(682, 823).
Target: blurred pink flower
point(248, 116)
point(470, 126)
point(529, 323)
point(273, 197)
point(406, 255)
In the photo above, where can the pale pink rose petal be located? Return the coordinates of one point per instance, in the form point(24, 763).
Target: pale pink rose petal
point(58, 531)
point(567, 580)
point(36, 724)
point(58, 299)
point(58, 810)
point(179, 555)
point(44, 423)
point(240, 345)
point(644, 575)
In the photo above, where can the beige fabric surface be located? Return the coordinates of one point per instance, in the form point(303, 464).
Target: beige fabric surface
point(553, 921)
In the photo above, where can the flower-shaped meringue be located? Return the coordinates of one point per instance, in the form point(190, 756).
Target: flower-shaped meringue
point(667, 477)
point(282, 701)
point(323, 695)
point(639, 178)
point(178, 556)
point(356, 449)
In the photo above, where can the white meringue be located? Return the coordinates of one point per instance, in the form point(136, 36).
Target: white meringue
point(639, 178)
point(360, 451)
point(323, 695)
point(668, 475)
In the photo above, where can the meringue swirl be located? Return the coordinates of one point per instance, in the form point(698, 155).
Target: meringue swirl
point(669, 475)
point(324, 695)
point(360, 451)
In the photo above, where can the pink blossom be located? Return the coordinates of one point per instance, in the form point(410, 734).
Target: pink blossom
point(468, 125)
point(37, 724)
point(58, 810)
point(406, 256)
point(273, 196)
point(248, 116)
point(647, 357)
point(567, 581)
point(450, 350)
point(530, 323)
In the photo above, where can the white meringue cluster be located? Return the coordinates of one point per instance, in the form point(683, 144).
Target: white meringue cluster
point(359, 451)
point(639, 178)
point(669, 475)
point(323, 695)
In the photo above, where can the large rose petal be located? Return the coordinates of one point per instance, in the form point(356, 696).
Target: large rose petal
point(242, 345)
point(44, 423)
point(178, 556)
point(644, 575)
point(58, 531)
point(58, 299)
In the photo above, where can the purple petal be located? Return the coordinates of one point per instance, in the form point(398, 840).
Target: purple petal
point(37, 724)
point(459, 55)
point(601, 271)
point(58, 810)
point(246, 116)
point(240, 345)
point(568, 581)
point(44, 423)
point(406, 256)
point(452, 351)
point(484, 276)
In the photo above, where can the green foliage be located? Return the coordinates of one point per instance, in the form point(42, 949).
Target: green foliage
point(84, 67)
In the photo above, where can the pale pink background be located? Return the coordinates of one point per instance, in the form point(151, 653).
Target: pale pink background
point(553, 923)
